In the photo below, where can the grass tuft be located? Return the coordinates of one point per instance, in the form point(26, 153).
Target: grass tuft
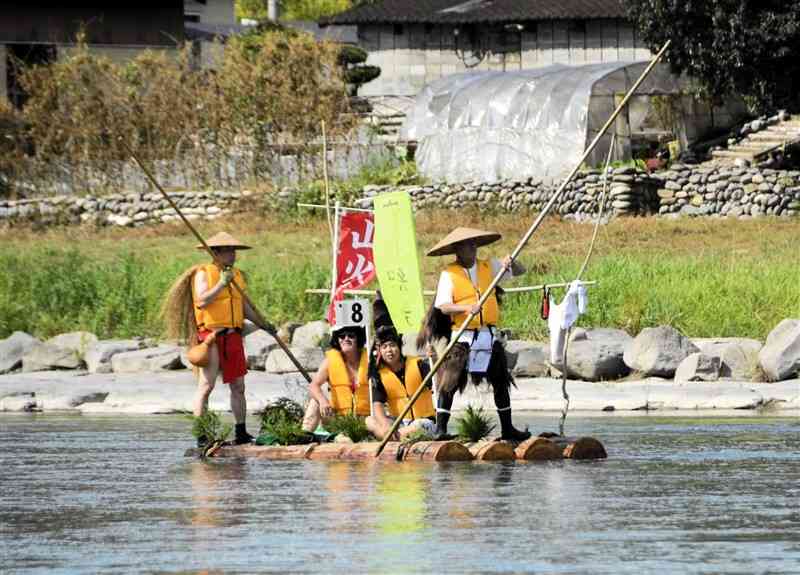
point(210, 428)
point(474, 425)
point(350, 425)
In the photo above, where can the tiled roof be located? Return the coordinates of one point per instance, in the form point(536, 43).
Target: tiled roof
point(473, 11)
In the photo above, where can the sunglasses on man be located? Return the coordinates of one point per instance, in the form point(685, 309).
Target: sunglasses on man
point(348, 335)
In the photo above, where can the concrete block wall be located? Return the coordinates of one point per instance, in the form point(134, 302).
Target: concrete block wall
point(413, 55)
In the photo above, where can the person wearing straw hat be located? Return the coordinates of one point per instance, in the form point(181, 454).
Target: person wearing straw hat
point(479, 352)
point(203, 305)
point(344, 369)
point(394, 379)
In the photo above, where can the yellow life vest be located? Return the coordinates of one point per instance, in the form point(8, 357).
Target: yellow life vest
point(464, 293)
point(227, 309)
point(341, 391)
point(398, 395)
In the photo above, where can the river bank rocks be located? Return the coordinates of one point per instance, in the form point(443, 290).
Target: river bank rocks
point(126, 210)
point(593, 354)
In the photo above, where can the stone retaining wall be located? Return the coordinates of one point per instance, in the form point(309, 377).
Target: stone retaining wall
point(729, 191)
point(132, 209)
point(630, 192)
point(683, 190)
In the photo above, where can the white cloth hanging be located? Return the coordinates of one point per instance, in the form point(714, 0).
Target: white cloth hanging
point(480, 351)
point(563, 316)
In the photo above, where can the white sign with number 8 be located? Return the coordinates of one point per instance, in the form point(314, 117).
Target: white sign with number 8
point(352, 312)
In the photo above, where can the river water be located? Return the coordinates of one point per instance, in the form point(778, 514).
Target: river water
point(677, 495)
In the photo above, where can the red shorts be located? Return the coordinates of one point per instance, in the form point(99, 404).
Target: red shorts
point(232, 360)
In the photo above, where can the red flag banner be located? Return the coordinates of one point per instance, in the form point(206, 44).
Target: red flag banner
point(354, 265)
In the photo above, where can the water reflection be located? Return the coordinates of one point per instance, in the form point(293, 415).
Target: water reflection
point(400, 498)
point(724, 501)
point(216, 492)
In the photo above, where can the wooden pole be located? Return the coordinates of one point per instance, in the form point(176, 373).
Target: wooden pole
point(523, 242)
point(325, 179)
point(262, 323)
point(335, 250)
point(372, 292)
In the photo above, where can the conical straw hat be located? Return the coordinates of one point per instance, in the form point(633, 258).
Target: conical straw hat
point(224, 240)
point(447, 245)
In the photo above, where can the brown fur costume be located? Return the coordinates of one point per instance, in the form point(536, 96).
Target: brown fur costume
point(452, 375)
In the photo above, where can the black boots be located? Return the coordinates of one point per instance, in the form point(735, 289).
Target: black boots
point(508, 431)
point(242, 436)
point(441, 427)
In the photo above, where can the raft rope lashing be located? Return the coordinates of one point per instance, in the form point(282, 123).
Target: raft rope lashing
point(603, 194)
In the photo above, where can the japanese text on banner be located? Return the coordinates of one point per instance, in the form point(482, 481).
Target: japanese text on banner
point(354, 263)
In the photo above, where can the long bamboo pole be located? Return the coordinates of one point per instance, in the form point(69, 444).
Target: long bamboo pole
point(372, 292)
point(262, 323)
point(520, 246)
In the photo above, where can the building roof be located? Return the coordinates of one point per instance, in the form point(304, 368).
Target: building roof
point(210, 32)
point(340, 34)
point(477, 11)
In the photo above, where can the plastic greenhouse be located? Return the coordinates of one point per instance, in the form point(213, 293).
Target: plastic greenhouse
point(491, 126)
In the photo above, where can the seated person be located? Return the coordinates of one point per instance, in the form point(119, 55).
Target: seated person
point(394, 380)
point(344, 369)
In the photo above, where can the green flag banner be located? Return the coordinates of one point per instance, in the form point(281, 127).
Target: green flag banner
point(396, 260)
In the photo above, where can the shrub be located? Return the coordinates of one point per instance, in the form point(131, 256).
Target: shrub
point(474, 425)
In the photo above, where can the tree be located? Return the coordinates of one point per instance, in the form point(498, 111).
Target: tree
point(356, 72)
point(749, 48)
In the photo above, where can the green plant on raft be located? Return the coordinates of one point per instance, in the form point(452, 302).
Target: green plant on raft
point(210, 428)
point(281, 410)
point(474, 425)
point(283, 431)
point(281, 423)
point(350, 425)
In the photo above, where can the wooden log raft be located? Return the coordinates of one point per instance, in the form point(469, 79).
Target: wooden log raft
point(419, 451)
point(552, 448)
point(492, 451)
point(533, 449)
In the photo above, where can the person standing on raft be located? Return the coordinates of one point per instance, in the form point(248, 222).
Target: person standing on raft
point(344, 369)
point(203, 305)
point(394, 379)
point(479, 351)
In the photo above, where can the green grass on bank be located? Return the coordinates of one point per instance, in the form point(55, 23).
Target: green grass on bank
point(706, 278)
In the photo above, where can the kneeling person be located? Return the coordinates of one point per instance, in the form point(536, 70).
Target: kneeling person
point(395, 379)
point(344, 369)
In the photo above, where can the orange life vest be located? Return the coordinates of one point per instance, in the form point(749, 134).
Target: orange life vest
point(227, 309)
point(343, 400)
point(465, 293)
point(398, 394)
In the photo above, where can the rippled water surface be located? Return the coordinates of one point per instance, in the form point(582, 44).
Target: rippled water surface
point(116, 495)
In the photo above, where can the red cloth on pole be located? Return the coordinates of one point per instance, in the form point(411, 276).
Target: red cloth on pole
point(354, 264)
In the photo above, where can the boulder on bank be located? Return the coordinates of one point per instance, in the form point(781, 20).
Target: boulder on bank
point(780, 356)
point(161, 358)
point(738, 356)
point(98, 356)
point(44, 356)
point(78, 341)
point(13, 348)
point(699, 367)
point(313, 334)
point(657, 351)
point(597, 354)
point(309, 357)
point(257, 347)
point(529, 360)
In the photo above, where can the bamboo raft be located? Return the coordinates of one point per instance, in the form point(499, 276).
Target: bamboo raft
point(533, 449)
